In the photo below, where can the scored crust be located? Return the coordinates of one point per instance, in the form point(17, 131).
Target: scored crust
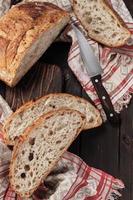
point(24, 137)
point(98, 121)
point(23, 29)
point(115, 15)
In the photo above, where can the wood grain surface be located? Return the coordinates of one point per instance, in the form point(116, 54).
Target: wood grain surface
point(107, 148)
point(36, 83)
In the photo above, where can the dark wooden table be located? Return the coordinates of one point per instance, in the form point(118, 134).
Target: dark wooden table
point(106, 148)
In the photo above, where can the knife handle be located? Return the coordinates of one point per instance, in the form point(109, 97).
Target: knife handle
point(112, 116)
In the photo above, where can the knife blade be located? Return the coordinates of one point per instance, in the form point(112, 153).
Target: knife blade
point(94, 71)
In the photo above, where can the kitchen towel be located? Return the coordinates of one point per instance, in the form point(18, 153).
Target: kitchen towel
point(71, 179)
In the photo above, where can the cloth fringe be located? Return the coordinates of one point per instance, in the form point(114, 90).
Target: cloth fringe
point(123, 102)
point(116, 187)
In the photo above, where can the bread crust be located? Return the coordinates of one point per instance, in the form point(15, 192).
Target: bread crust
point(20, 28)
point(31, 103)
point(9, 119)
point(27, 132)
point(115, 15)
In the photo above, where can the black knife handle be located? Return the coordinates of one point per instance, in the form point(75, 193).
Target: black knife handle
point(112, 116)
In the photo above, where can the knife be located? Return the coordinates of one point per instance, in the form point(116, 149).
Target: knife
point(94, 70)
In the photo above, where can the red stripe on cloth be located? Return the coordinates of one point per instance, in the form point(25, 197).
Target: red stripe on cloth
point(103, 186)
point(110, 188)
point(120, 87)
point(131, 90)
point(127, 47)
point(1, 136)
point(105, 52)
point(71, 58)
point(95, 171)
point(97, 196)
point(79, 169)
point(76, 187)
point(126, 51)
point(69, 194)
point(109, 73)
point(9, 194)
point(74, 47)
point(79, 162)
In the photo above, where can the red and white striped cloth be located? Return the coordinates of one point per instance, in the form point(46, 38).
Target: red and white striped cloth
point(71, 179)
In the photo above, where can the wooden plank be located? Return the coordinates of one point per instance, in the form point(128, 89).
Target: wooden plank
point(126, 151)
point(42, 79)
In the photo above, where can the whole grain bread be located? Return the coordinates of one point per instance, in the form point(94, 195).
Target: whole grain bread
point(29, 112)
point(36, 153)
point(101, 22)
point(26, 31)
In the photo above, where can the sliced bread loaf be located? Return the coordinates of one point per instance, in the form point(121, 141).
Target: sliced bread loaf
point(102, 23)
point(29, 112)
point(40, 147)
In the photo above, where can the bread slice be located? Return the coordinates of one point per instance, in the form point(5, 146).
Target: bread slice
point(101, 22)
point(26, 31)
point(41, 146)
point(29, 112)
